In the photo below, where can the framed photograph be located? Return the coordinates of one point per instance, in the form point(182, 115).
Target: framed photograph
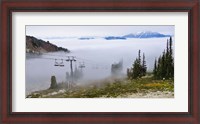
point(100, 62)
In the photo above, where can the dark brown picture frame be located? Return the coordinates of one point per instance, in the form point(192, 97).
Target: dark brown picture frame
point(190, 6)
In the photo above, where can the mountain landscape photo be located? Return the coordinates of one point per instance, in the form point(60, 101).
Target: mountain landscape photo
point(99, 61)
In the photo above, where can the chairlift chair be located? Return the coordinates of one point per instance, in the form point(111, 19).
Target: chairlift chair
point(81, 65)
point(68, 59)
point(61, 63)
point(56, 63)
point(74, 60)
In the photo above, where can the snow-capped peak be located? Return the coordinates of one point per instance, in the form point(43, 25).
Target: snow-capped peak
point(145, 34)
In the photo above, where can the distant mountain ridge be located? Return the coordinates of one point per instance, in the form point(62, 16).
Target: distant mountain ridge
point(86, 38)
point(146, 34)
point(34, 45)
point(114, 38)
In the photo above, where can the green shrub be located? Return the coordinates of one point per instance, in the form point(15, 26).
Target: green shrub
point(53, 82)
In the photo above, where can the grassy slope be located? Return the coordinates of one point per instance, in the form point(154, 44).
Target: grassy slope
point(117, 88)
point(123, 87)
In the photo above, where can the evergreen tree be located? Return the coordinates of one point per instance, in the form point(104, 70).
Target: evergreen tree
point(167, 47)
point(144, 67)
point(78, 74)
point(139, 57)
point(167, 60)
point(155, 68)
point(138, 68)
point(129, 73)
point(53, 82)
point(171, 60)
point(159, 67)
point(164, 68)
point(170, 46)
point(117, 68)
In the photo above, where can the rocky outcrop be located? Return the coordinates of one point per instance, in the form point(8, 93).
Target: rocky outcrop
point(34, 45)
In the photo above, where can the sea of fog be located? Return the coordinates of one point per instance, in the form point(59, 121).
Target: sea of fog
point(97, 55)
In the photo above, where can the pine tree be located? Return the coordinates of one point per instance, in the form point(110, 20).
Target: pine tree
point(129, 73)
point(53, 82)
point(155, 68)
point(139, 57)
point(171, 60)
point(167, 61)
point(159, 69)
point(167, 47)
point(170, 46)
point(138, 68)
point(144, 67)
point(117, 68)
point(164, 69)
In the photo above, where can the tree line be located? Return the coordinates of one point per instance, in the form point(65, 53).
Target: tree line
point(163, 66)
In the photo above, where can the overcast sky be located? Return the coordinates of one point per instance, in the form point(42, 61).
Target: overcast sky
point(79, 31)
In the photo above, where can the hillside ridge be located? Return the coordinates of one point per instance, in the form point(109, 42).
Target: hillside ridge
point(35, 45)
